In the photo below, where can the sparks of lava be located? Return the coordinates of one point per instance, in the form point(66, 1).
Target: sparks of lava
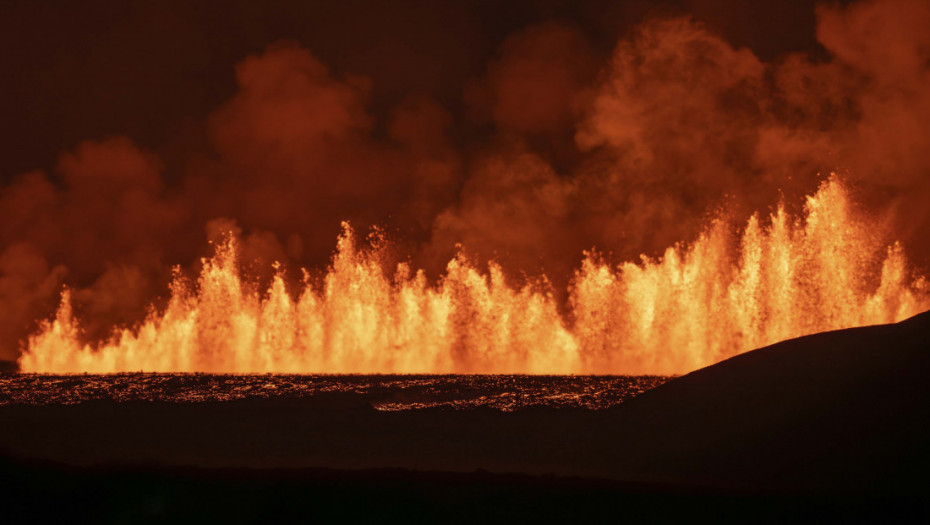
point(725, 293)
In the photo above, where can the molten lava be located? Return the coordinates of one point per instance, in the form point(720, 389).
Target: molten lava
point(725, 293)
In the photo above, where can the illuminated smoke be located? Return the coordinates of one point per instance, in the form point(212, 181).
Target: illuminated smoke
point(561, 147)
point(782, 277)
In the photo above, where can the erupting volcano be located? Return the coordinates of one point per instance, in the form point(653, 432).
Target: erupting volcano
point(369, 256)
point(780, 277)
point(576, 201)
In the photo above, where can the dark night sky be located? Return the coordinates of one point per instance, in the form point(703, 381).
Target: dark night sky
point(153, 70)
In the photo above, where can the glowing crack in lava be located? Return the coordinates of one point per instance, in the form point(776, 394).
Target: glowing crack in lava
point(725, 293)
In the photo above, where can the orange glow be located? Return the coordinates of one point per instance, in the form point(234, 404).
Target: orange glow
point(725, 293)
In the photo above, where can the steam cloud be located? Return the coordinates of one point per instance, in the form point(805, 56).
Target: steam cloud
point(627, 155)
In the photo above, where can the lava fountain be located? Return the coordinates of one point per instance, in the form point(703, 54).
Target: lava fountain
point(727, 292)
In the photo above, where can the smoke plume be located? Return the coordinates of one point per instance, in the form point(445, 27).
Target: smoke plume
point(554, 145)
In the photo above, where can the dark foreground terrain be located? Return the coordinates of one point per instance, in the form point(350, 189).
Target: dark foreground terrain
point(830, 426)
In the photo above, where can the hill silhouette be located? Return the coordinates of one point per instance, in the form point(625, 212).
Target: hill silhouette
point(844, 410)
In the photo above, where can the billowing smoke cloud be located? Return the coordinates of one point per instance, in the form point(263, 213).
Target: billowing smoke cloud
point(532, 87)
point(559, 150)
point(295, 155)
point(106, 228)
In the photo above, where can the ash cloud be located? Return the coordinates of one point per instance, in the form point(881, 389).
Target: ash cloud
point(553, 145)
